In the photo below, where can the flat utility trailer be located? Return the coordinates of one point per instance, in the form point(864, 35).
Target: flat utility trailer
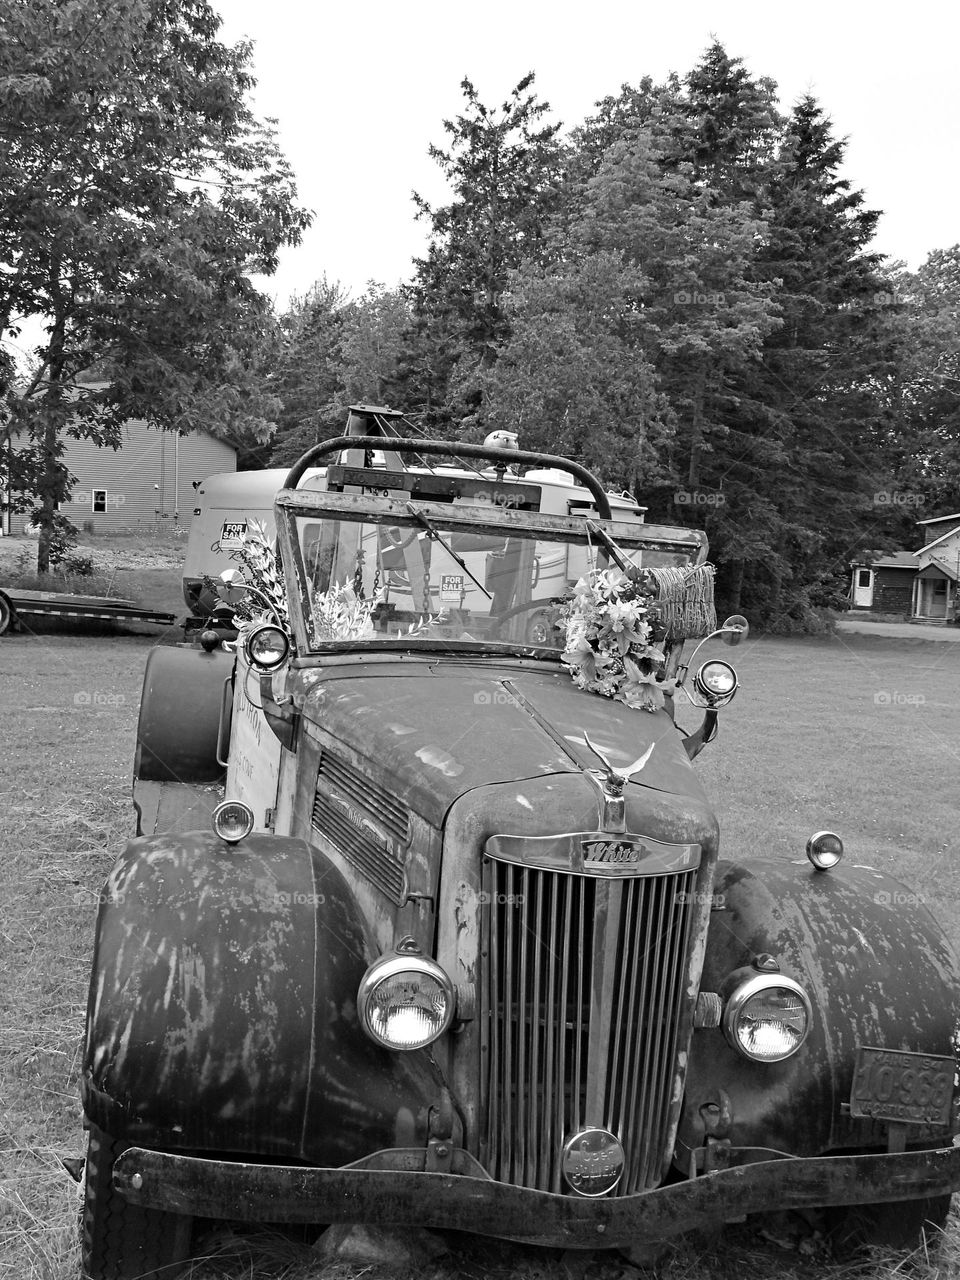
point(16, 605)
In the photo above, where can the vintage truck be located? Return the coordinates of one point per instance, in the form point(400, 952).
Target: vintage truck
point(459, 947)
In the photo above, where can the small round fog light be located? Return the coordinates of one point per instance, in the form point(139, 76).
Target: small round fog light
point(716, 681)
point(233, 821)
point(267, 647)
point(824, 849)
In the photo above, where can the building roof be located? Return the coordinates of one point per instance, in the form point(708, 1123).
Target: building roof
point(940, 519)
point(940, 566)
point(892, 560)
point(941, 538)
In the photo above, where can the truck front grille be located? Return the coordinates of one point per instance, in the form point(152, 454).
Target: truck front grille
point(581, 993)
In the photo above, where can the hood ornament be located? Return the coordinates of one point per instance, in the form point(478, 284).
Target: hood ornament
point(612, 785)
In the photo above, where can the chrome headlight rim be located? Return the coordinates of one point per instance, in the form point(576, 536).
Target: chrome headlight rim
point(219, 820)
point(259, 632)
point(821, 857)
point(715, 698)
point(389, 966)
point(744, 992)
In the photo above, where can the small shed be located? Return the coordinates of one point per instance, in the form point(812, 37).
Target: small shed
point(884, 583)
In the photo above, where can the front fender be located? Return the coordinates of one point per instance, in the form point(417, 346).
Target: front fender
point(878, 970)
point(222, 1009)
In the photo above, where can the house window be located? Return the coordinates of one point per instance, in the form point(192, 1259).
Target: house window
point(863, 577)
point(99, 500)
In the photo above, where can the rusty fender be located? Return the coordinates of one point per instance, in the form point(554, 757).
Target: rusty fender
point(878, 971)
point(222, 1012)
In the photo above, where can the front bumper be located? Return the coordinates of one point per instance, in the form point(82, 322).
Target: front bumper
point(467, 1200)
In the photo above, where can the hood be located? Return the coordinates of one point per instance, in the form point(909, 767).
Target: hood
point(440, 730)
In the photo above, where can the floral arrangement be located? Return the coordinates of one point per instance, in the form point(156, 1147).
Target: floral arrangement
point(617, 623)
point(263, 572)
point(340, 614)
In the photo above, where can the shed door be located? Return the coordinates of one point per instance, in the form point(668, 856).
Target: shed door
point(863, 588)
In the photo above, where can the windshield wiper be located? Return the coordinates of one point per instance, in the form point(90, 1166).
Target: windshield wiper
point(611, 547)
point(432, 533)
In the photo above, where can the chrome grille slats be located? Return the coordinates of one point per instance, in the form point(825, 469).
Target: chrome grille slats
point(367, 824)
point(581, 1000)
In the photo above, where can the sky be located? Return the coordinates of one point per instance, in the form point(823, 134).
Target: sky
point(360, 91)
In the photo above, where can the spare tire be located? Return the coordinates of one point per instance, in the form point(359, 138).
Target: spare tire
point(177, 732)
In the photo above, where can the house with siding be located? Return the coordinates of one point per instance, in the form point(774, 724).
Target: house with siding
point(923, 585)
point(938, 571)
point(148, 483)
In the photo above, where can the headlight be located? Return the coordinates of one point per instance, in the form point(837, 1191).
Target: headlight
point(405, 1002)
point(716, 681)
point(267, 647)
point(233, 821)
point(767, 1017)
point(824, 849)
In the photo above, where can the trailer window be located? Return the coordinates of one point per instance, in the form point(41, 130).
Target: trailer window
point(100, 500)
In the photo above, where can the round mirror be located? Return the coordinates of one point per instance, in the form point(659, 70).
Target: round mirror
point(735, 629)
point(232, 587)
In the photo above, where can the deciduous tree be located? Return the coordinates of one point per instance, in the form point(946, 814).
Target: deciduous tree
point(137, 195)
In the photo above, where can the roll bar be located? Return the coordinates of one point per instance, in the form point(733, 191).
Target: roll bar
point(451, 448)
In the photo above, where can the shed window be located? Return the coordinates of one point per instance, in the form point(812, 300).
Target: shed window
point(99, 500)
point(863, 577)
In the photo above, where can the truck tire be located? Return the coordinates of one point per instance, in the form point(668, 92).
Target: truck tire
point(123, 1241)
point(6, 614)
point(177, 732)
point(900, 1225)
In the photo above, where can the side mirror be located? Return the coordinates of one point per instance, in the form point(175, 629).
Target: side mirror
point(232, 588)
point(734, 629)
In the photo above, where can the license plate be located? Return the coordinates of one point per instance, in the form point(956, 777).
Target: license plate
point(233, 533)
point(912, 1088)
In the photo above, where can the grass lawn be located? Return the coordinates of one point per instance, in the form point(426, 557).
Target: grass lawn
point(857, 734)
point(135, 566)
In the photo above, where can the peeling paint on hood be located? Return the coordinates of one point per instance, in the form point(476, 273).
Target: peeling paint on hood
point(469, 728)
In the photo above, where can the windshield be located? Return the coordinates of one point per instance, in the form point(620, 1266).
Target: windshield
point(388, 571)
point(423, 580)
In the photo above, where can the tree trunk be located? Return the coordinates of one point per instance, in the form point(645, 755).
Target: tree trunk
point(735, 585)
point(52, 487)
point(696, 430)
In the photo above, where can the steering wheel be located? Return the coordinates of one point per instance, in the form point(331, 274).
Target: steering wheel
point(541, 638)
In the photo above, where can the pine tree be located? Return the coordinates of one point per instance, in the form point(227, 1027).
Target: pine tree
point(503, 168)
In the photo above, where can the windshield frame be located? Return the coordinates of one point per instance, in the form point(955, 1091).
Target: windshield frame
point(666, 545)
